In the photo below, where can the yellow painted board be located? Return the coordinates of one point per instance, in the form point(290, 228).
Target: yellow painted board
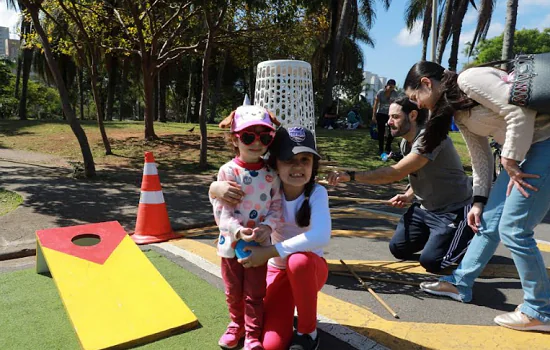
point(123, 301)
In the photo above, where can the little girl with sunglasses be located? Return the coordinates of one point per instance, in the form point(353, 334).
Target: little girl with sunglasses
point(251, 132)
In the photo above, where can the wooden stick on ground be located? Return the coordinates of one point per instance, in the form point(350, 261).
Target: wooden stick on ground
point(359, 200)
point(378, 279)
point(372, 292)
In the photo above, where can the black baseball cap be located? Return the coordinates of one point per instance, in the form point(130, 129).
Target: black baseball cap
point(291, 141)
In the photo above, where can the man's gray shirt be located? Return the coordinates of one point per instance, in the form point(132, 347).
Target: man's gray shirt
point(441, 185)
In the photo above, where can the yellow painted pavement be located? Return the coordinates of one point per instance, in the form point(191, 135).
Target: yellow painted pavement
point(398, 334)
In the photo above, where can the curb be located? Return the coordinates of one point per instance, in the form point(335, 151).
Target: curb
point(27, 250)
point(18, 254)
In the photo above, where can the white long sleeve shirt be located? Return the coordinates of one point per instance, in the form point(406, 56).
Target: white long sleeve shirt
point(290, 238)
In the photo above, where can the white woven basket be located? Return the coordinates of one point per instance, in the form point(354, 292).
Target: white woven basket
point(285, 88)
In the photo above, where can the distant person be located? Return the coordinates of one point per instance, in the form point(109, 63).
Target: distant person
point(329, 119)
point(353, 119)
point(380, 115)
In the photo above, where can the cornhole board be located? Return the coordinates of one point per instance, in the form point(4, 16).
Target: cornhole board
point(112, 293)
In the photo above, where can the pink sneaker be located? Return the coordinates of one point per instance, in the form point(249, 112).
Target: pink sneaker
point(252, 344)
point(230, 339)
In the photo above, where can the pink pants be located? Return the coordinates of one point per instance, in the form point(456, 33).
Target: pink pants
point(297, 286)
point(244, 293)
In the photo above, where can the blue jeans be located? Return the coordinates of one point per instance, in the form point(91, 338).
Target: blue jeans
point(515, 218)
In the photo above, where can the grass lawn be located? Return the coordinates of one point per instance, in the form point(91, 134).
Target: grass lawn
point(179, 144)
point(33, 316)
point(9, 201)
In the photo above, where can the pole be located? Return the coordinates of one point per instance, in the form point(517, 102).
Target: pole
point(434, 28)
point(372, 292)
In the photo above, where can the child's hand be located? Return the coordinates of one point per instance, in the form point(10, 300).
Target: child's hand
point(247, 235)
point(263, 232)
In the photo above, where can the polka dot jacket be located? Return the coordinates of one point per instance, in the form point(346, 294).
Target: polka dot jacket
point(261, 204)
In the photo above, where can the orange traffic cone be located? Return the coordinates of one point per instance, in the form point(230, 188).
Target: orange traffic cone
point(153, 224)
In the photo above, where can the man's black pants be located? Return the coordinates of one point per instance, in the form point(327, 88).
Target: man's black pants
point(442, 237)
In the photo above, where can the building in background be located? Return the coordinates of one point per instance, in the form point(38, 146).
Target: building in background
point(372, 83)
point(4, 35)
point(12, 48)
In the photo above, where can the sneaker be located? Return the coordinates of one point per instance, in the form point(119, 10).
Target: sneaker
point(232, 336)
point(304, 342)
point(521, 322)
point(252, 344)
point(441, 288)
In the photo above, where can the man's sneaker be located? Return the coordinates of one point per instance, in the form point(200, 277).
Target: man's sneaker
point(519, 321)
point(441, 288)
point(304, 342)
point(232, 336)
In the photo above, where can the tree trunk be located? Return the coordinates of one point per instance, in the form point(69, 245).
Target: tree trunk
point(251, 76)
point(204, 101)
point(25, 26)
point(148, 91)
point(444, 30)
point(426, 28)
point(123, 107)
point(81, 93)
point(509, 30)
point(112, 68)
point(197, 91)
point(162, 76)
point(217, 89)
point(156, 99)
point(334, 56)
point(458, 18)
point(18, 76)
point(27, 62)
point(189, 95)
point(99, 107)
point(89, 166)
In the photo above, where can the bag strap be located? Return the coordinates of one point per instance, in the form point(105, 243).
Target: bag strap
point(494, 63)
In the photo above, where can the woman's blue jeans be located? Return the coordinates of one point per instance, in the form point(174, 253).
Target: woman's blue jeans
point(512, 219)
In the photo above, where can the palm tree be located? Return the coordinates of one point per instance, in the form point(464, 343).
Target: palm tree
point(483, 22)
point(344, 25)
point(416, 10)
point(509, 30)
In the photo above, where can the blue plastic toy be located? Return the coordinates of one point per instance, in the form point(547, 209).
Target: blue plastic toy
point(241, 254)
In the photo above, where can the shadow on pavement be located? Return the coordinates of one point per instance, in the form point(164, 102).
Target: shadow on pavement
point(113, 195)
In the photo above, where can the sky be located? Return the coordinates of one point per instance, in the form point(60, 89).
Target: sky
point(396, 49)
point(9, 18)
